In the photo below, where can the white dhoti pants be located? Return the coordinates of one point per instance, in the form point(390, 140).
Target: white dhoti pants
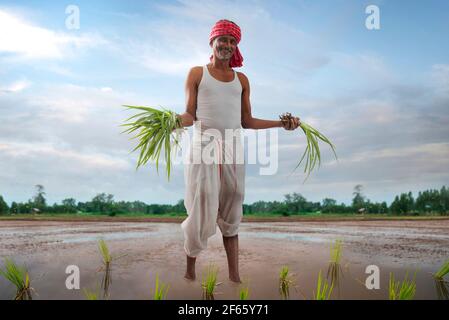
point(214, 196)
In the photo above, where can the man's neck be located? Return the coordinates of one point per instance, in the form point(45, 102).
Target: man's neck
point(222, 65)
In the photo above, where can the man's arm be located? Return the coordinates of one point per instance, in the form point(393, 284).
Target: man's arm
point(248, 122)
point(191, 91)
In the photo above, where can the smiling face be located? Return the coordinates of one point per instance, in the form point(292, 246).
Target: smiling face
point(224, 47)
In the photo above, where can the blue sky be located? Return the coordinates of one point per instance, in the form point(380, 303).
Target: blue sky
point(382, 96)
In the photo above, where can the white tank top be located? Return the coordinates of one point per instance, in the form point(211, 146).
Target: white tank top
point(219, 103)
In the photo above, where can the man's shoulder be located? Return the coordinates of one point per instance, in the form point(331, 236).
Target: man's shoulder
point(196, 69)
point(241, 74)
point(196, 73)
point(243, 78)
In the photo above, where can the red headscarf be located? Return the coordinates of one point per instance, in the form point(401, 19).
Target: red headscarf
point(226, 27)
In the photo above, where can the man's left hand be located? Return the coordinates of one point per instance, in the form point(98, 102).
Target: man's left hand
point(292, 124)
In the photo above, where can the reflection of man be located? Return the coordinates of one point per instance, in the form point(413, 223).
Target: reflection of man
point(218, 97)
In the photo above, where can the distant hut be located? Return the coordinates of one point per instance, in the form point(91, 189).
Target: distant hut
point(361, 211)
point(35, 211)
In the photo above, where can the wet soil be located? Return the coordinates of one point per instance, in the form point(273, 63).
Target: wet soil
point(143, 250)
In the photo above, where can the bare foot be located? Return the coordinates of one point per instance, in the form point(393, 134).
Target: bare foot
point(190, 270)
point(189, 276)
point(235, 278)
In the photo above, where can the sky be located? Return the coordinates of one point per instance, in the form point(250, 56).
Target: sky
point(381, 96)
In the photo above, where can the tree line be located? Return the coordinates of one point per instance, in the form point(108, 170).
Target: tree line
point(427, 202)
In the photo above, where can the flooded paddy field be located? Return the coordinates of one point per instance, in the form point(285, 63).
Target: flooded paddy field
point(144, 249)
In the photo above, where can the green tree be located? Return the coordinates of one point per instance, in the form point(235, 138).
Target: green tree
point(444, 198)
point(247, 209)
point(328, 205)
point(102, 203)
point(24, 207)
point(138, 206)
point(4, 209)
point(14, 208)
point(295, 204)
point(280, 208)
point(383, 207)
point(403, 204)
point(431, 201)
point(179, 207)
point(394, 207)
point(39, 201)
point(69, 205)
point(358, 201)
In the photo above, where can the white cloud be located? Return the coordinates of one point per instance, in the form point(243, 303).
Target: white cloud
point(435, 152)
point(74, 104)
point(15, 87)
point(377, 112)
point(440, 75)
point(180, 41)
point(171, 49)
point(169, 66)
point(80, 118)
point(25, 40)
point(47, 151)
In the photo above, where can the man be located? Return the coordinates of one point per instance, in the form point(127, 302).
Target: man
point(218, 98)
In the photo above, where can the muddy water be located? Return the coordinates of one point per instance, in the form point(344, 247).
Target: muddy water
point(143, 250)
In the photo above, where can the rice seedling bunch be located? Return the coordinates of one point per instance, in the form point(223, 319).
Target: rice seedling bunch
point(160, 290)
point(444, 270)
point(19, 277)
point(156, 130)
point(336, 252)
point(104, 250)
point(442, 289)
point(284, 282)
point(402, 291)
point(208, 284)
point(334, 270)
point(312, 153)
point(107, 259)
point(244, 293)
point(323, 290)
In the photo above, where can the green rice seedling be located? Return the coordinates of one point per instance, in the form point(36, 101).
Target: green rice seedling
point(156, 130)
point(244, 293)
point(336, 252)
point(312, 152)
point(285, 280)
point(323, 291)
point(104, 250)
point(334, 271)
point(107, 259)
point(442, 289)
point(19, 277)
point(106, 282)
point(444, 270)
point(160, 291)
point(440, 284)
point(209, 282)
point(402, 291)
